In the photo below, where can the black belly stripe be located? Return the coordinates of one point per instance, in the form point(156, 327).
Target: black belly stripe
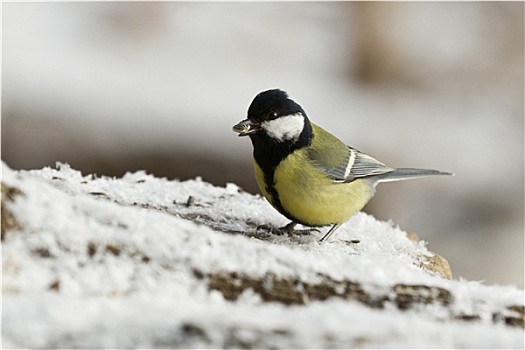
point(269, 181)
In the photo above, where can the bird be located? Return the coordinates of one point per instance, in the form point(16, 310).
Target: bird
point(307, 174)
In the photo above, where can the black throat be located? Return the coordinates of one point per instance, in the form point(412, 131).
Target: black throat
point(268, 153)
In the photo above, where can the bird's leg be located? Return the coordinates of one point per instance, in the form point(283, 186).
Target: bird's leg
point(304, 232)
point(330, 232)
point(288, 229)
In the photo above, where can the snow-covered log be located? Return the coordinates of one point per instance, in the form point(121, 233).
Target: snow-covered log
point(139, 261)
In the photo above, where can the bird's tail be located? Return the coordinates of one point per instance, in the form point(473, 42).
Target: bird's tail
point(408, 173)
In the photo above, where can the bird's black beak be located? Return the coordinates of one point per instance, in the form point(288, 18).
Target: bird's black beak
point(246, 127)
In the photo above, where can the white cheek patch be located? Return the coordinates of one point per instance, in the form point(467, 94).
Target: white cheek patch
point(285, 128)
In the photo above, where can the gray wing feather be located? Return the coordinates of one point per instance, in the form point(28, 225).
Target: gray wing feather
point(364, 166)
point(409, 173)
point(356, 165)
point(338, 174)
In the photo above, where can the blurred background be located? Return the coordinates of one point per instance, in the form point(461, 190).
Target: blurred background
point(117, 87)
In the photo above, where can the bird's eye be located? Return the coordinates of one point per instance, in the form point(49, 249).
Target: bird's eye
point(273, 115)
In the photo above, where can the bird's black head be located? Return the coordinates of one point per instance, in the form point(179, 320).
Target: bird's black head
point(272, 104)
point(273, 116)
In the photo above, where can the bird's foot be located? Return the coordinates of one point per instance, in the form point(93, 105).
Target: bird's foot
point(288, 230)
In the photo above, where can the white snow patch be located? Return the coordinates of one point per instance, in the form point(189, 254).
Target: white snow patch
point(125, 258)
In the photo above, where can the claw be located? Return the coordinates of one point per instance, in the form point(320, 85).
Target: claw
point(288, 229)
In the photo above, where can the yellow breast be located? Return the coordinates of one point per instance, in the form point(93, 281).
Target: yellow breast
point(311, 197)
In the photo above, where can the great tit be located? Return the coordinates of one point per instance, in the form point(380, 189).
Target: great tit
point(307, 174)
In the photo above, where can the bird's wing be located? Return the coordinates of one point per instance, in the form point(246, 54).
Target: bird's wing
point(350, 166)
point(341, 162)
point(362, 165)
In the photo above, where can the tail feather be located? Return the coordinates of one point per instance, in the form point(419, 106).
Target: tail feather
point(409, 173)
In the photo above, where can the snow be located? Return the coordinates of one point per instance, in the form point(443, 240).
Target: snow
point(114, 262)
point(148, 322)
